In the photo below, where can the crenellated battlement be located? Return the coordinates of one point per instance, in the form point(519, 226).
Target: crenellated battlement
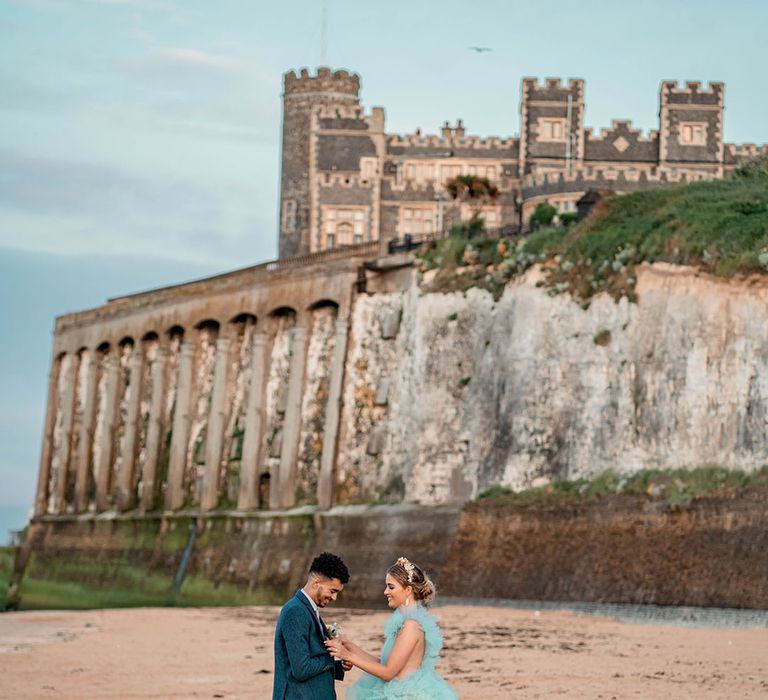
point(325, 80)
point(351, 117)
point(347, 180)
point(692, 93)
point(340, 111)
point(746, 150)
point(418, 139)
point(552, 89)
point(581, 179)
point(623, 126)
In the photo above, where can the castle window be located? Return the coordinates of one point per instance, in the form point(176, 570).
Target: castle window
point(344, 233)
point(419, 171)
point(552, 130)
point(368, 168)
point(342, 226)
point(289, 215)
point(693, 133)
point(491, 215)
point(417, 221)
point(450, 171)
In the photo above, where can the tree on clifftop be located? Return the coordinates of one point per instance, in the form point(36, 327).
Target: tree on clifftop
point(477, 192)
point(543, 215)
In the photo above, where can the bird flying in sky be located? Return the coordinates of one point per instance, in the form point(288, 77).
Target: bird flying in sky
point(480, 49)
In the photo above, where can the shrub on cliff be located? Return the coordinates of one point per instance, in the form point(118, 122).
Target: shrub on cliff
point(719, 226)
point(543, 216)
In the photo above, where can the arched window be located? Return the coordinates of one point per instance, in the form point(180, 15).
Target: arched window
point(344, 226)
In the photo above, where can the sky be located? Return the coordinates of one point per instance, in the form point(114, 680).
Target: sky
point(140, 139)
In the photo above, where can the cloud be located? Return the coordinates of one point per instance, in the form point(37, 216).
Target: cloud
point(59, 186)
point(155, 5)
point(58, 205)
point(17, 93)
point(197, 57)
point(138, 4)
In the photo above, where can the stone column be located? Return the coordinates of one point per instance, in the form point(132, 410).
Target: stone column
point(216, 421)
point(65, 446)
point(46, 450)
point(126, 482)
point(104, 465)
point(292, 425)
point(254, 426)
point(332, 411)
point(85, 443)
point(154, 430)
point(174, 494)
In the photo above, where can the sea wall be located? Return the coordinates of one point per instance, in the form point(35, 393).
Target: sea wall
point(712, 551)
point(223, 559)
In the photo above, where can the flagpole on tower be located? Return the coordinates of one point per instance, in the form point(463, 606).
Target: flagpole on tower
point(324, 33)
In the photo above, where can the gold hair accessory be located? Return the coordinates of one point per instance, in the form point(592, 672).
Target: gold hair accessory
point(402, 561)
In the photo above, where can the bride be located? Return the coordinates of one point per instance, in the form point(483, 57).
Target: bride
point(411, 648)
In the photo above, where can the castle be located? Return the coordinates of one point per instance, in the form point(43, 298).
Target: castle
point(269, 387)
point(346, 181)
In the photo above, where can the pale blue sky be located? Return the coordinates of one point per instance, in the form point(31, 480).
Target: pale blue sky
point(139, 139)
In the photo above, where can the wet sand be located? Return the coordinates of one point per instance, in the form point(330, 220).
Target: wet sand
point(489, 653)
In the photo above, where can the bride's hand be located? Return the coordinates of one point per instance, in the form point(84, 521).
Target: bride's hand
point(337, 649)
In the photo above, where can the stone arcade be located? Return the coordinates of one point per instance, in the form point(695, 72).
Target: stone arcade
point(193, 395)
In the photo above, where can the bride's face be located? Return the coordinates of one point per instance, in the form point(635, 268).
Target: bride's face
point(395, 592)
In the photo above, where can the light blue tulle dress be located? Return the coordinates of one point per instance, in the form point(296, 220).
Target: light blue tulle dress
point(422, 684)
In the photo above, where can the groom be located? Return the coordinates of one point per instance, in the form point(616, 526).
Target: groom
point(303, 667)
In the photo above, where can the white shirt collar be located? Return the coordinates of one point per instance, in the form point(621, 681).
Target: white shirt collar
point(311, 602)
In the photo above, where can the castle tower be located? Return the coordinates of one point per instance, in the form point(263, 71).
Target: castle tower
point(551, 125)
point(691, 125)
point(303, 95)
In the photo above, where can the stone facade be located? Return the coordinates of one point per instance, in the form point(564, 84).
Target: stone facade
point(346, 181)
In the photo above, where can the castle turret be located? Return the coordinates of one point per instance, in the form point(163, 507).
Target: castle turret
point(303, 95)
point(551, 124)
point(691, 124)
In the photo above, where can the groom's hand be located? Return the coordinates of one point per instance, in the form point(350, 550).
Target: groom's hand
point(346, 665)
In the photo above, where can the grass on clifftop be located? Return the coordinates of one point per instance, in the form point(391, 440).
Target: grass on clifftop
point(720, 226)
point(677, 486)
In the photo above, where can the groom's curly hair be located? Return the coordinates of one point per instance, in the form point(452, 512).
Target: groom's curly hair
point(330, 566)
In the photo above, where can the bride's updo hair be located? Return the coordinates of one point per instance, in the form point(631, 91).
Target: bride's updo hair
point(409, 574)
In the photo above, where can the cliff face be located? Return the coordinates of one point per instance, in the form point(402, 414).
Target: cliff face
point(448, 394)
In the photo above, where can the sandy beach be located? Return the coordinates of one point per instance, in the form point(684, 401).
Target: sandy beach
point(489, 652)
